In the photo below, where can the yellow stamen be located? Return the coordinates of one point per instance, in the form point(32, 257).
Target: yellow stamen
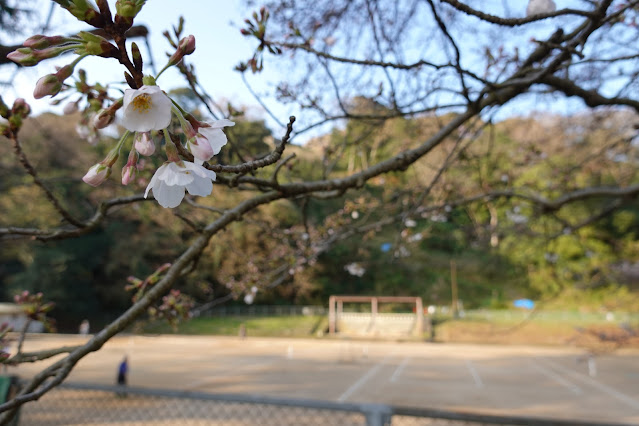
point(142, 103)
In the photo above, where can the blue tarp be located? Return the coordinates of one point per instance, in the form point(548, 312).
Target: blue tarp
point(524, 304)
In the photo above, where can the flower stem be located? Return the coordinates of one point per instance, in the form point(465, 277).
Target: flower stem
point(113, 155)
point(162, 70)
point(170, 148)
point(186, 126)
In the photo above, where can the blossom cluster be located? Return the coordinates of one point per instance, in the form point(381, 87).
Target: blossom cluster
point(150, 109)
point(147, 110)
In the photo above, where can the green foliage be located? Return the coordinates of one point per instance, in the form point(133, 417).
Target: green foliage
point(285, 326)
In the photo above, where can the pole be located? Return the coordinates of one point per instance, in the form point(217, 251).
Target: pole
point(453, 286)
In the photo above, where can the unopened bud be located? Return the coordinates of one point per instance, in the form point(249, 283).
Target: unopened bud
point(64, 72)
point(23, 56)
point(70, 108)
point(185, 47)
point(97, 174)
point(187, 44)
point(49, 85)
point(84, 11)
point(103, 119)
point(130, 170)
point(144, 143)
point(127, 10)
point(42, 41)
point(96, 45)
point(128, 174)
point(20, 107)
point(201, 148)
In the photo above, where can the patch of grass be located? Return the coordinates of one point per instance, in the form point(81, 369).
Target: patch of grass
point(281, 326)
point(519, 327)
point(486, 326)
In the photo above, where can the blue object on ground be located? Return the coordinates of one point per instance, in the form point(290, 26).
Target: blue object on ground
point(386, 246)
point(524, 304)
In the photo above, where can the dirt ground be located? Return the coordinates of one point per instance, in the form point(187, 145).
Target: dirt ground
point(513, 380)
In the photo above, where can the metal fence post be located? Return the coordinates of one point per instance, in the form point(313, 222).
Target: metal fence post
point(377, 414)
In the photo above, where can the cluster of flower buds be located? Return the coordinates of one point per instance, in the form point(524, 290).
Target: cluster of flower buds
point(175, 306)
point(35, 307)
point(83, 10)
point(140, 286)
point(14, 116)
point(126, 11)
point(38, 48)
point(257, 29)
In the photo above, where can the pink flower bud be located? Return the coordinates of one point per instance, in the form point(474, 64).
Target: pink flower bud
point(64, 72)
point(23, 56)
point(47, 85)
point(187, 44)
point(97, 174)
point(52, 52)
point(70, 108)
point(185, 47)
point(42, 42)
point(128, 174)
point(103, 119)
point(201, 148)
point(130, 170)
point(144, 143)
point(20, 107)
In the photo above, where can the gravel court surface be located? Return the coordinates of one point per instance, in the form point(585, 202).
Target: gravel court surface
point(509, 380)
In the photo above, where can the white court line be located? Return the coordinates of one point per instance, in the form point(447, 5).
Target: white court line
point(474, 373)
point(398, 371)
point(370, 373)
point(556, 377)
point(604, 388)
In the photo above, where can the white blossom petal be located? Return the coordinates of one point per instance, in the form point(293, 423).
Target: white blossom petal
point(200, 186)
point(168, 196)
point(199, 170)
point(155, 179)
point(218, 124)
point(216, 138)
point(177, 175)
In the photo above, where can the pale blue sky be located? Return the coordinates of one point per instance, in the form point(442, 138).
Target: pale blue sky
point(220, 47)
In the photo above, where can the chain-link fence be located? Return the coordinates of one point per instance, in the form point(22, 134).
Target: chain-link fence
point(83, 404)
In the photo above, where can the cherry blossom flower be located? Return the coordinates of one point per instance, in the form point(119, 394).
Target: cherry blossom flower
point(145, 109)
point(355, 269)
point(170, 180)
point(536, 7)
point(209, 140)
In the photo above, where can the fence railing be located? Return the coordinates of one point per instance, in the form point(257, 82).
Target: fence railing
point(77, 404)
point(484, 314)
point(264, 310)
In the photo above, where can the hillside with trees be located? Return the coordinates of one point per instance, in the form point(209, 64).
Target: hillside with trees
point(302, 251)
